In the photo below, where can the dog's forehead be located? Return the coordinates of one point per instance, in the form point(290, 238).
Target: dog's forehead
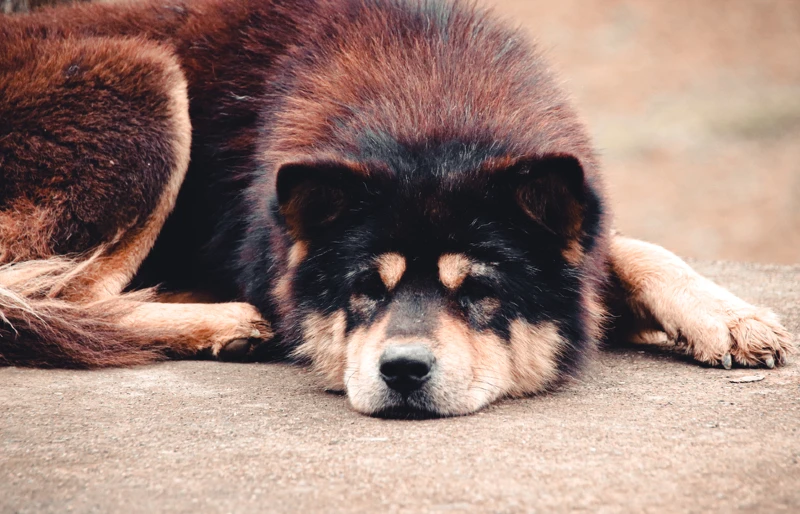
point(428, 155)
point(425, 217)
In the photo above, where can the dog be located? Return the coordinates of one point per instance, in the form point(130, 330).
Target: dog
point(393, 192)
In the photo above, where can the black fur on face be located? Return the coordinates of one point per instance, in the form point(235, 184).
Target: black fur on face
point(515, 220)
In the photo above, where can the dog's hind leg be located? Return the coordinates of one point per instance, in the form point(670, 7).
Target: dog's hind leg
point(94, 146)
point(660, 291)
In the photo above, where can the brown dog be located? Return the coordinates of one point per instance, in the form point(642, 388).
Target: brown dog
point(394, 191)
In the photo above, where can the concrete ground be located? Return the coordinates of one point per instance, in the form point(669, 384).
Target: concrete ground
point(642, 431)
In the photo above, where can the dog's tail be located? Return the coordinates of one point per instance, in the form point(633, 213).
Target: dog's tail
point(37, 328)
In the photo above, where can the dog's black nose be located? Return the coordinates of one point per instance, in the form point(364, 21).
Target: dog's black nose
point(406, 368)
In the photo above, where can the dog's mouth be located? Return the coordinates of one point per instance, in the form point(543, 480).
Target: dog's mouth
point(417, 405)
point(407, 411)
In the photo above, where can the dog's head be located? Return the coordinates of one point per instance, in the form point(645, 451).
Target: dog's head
point(435, 213)
point(437, 293)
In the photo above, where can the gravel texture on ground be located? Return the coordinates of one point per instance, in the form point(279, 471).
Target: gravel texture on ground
point(643, 430)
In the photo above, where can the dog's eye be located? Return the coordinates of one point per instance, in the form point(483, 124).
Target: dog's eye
point(370, 285)
point(363, 306)
point(479, 301)
point(473, 290)
point(367, 294)
point(484, 310)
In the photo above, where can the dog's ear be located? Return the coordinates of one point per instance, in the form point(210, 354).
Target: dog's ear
point(313, 195)
point(552, 191)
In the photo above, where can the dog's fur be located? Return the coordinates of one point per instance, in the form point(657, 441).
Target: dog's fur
point(352, 175)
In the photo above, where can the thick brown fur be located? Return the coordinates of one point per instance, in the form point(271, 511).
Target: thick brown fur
point(81, 179)
point(87, 184)
point(351, 176)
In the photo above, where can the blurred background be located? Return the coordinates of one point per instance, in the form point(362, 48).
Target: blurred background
point(695, 108)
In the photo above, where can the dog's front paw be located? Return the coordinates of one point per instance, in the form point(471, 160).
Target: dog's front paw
point(715, 326)
point(758, 339)
point(241, 330)
point(720, 333)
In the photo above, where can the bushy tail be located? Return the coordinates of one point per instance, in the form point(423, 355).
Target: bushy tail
point(39, 329)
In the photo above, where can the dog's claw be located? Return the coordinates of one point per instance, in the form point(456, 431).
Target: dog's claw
point(769, 362)
point(727, 361)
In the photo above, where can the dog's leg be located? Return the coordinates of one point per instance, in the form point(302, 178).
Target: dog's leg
point(98, 149)
point(97, 153)
point(190, 328)
point(716, 326)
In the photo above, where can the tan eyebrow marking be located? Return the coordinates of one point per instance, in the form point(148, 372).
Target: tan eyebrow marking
point(391, 267)
point(453, 269)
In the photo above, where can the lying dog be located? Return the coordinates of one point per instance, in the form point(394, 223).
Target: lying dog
point(393, 191)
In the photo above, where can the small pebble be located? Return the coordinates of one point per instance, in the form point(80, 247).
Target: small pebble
point(749, 378)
